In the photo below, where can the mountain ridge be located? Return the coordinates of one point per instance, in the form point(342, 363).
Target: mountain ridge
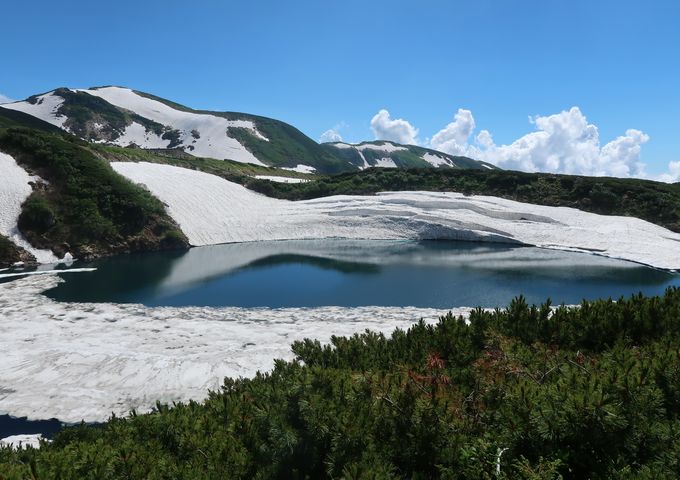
point(126, 117)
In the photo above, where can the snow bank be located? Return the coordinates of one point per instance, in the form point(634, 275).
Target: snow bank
point(14, 189)
point(437, 160)
point(385, 163)
point(213, 140)
point(21, 441)
point(300, 168)
point(274, 178)
point(76, 361)
point(45, 108)
point(384, 147)
point(231, 213)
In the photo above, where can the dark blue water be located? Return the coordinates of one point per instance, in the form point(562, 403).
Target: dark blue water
point(22, 426)
point(344, 273)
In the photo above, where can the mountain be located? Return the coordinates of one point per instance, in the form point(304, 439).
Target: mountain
point(130, 118)
point(394, 155)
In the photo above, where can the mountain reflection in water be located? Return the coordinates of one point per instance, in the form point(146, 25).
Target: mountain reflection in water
point(354, 273)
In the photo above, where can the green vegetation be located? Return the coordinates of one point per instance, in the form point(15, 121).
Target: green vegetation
point(85, 207)
point(588, 392)
point(231, 170)
point(652, 201)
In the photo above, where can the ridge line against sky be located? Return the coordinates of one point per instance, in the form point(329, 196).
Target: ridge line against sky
point(600, 81)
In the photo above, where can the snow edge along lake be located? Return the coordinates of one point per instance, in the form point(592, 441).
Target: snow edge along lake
point(231, 213)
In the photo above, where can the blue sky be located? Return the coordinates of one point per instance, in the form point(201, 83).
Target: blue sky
point(320, 65)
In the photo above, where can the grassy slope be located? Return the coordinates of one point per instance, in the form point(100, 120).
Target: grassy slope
point(652, 201)
point(589, 392)
point(231, 170)
point(86, 205)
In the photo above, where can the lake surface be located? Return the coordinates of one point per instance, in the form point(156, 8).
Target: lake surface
point(357, 273)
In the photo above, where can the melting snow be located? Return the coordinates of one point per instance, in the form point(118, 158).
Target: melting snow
point(21, 441)
point(436, 160)
point(45, 108)
point(214, 141)
point(94, 359)
point(14, 189)
point(231, 213)
point(385, 163)
point(300, 168)
point(274, 178)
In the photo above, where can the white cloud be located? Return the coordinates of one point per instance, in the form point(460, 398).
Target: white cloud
point(563, 143)
point(5, 99)
point(673, 174)
point(454, 137)
point(330, 135)
point(397, 130)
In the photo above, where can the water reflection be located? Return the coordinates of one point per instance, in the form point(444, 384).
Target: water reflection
point(353, 273)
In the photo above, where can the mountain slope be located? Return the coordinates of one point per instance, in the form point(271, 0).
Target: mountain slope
point(125, 117)
point(57, 195)
point(385, 154)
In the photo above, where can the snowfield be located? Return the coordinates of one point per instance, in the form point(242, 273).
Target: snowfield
point(212, 131)
point(79, 361)
point(274, 178)
point(14, 189)
point(437, 160)
point(213, 140)
point(45, 108)
point(386, 147)
point(21, 441)
point(300, 168)
point(231, 213)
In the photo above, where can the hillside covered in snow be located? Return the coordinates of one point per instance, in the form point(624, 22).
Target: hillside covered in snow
point(125, 117)
point(385, 154)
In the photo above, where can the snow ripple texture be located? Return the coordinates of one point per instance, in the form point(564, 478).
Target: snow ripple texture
point(211, 210)
point(80, 361)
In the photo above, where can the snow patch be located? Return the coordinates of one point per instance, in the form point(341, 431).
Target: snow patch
point(213, 141)
point(14, 190)
point(212, 210)
point(21, 441)
point(437, 160)
point(274, 178)
point(300, 168)
point(384, 147)
point(387, 147)
point(45, 108)
point(385, 162)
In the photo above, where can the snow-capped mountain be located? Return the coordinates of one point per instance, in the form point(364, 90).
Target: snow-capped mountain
point(129, 118)
point(393, 155)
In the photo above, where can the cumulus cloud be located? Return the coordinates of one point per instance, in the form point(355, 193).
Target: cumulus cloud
point(673, 174)
point(453, 138)
point(5, 99)
point(397, 130)
point(330, 135)
point(564, 142)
